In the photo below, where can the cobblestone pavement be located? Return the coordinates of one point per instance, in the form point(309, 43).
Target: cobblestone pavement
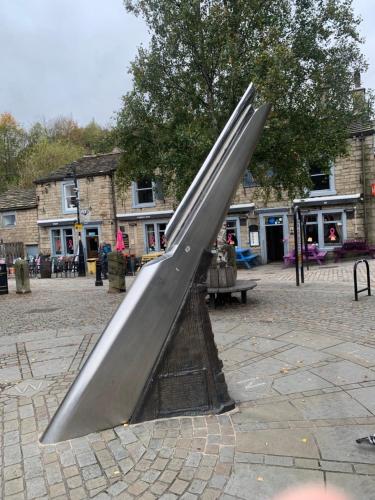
point(300, 362)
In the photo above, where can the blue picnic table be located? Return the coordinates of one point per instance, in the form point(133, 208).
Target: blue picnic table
point(246, 257)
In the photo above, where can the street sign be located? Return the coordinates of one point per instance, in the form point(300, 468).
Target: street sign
point(78, 227)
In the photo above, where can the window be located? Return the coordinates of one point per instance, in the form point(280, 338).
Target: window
point(312, 229)
point(332, 229)
point(155, 238)
point(68, 241)
point(322, 182)
point(8, 219)
point(248, 180)
point(326, 228)
point(56, 242)
point(232, 232)
point(62, 241)
point(143, 193)
point(69, 197)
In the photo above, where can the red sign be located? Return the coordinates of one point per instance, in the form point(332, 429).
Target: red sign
point(372, 189)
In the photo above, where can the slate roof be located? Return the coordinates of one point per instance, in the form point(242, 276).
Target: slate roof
point(87, 166)
point(359, 127)
point(17, 198)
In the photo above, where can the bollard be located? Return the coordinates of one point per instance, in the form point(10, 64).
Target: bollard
point(45, 267)
point(22, 276)
point(98, 280)
point(3, 279)
point(116, 272)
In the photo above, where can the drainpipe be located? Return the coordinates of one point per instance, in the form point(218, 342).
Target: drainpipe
point(364, 185)
point(114, 204)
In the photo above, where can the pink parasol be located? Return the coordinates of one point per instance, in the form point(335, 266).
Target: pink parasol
point(119, 242)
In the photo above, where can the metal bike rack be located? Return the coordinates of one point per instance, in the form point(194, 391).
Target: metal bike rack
point(368, 288)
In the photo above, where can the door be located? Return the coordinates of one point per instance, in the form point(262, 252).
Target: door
point(275, 243)
point(92, 242)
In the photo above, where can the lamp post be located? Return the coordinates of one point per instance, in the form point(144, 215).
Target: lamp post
point(81, 255)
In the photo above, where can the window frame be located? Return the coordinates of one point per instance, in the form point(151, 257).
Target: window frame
point(154, 223)
point(332, 188)
point(248, 180)
point(66, 209)
point(7, 214)
point(135, 200)
point(237, 228)
point(320, 222)
point(62, 233)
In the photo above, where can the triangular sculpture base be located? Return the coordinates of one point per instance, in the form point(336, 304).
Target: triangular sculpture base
point(188, 377)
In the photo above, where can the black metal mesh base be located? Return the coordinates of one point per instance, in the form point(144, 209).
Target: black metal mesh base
point(188, 379)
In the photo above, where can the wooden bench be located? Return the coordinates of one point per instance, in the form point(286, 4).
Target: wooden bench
point(223, 295)
point(356, 247)
point(246, 257)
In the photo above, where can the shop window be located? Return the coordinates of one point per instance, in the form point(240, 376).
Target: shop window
point(155, 236)
point(68, 241)
point(70, 197)
point(143, 193)
point(322, 182)
point(232, 232)
point(312, 229)
point(62, 241)
point(332, 229)
point(56, 242)
point(8, 219)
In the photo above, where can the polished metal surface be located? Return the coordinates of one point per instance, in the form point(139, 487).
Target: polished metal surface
point(107, 389)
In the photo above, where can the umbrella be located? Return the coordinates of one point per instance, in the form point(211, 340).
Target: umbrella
point(119, 242)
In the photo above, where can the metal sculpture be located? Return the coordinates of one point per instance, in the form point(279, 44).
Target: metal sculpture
point(116, 375)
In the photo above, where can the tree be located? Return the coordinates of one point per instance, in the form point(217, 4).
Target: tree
point(300, 54)
point(97, 139)
point(45, 156)
point(12, 142)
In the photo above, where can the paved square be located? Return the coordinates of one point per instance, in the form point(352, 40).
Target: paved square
point(299, 362)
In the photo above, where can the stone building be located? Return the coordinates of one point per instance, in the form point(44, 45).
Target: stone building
point(341, 206)
point(18, 227)
point(57, 209)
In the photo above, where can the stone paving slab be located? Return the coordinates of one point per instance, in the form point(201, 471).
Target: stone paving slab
point(267, 481)
point(300, 382)
point(298, 362)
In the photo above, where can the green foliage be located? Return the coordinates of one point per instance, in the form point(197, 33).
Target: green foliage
point(25, 156)
point(45, 156)
point(300, 54)
point(12, 142)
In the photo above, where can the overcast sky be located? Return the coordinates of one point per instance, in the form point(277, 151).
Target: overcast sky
point(70, 57)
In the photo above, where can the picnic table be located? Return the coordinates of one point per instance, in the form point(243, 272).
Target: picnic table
point(357, 247)
point(222, 295)
point(246, 257)
point(313, 254)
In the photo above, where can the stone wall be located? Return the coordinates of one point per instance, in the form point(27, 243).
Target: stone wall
point(25, 230)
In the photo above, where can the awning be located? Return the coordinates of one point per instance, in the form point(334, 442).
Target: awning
point(241, 208)
point(57, 222)
point(272, 210)
point(328, 200)
point(157, 214)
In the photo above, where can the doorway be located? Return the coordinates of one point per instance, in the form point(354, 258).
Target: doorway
point(275, 243)
point(92, 242)
point(274, 232)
